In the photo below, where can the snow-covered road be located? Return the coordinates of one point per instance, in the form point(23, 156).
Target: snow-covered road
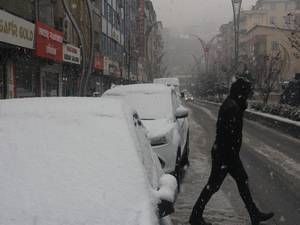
point(272, 162)
point(219, 210)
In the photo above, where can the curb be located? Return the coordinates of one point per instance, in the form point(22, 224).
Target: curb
point(283, 125)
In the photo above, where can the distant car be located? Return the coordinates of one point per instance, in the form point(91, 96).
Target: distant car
point(165, 119)
point(189, 98)
point(79, 161)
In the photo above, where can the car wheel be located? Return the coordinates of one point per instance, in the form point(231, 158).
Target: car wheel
point(185, 158)
point(177, 172)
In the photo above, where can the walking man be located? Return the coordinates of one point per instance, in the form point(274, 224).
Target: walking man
point(225, 155)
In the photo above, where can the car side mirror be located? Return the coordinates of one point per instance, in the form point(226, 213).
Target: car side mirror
point(167, 194)
point(181, 112)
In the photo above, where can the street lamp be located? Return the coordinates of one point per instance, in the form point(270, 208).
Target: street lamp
point(236, 5)
point(205, 47)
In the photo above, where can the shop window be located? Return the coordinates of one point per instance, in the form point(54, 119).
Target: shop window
point(106, 9)
point(273, 20)
point(46, 12)
point(26, 79)
point(2, 82)
point(97, 41)
point(20, 8)
point(273, 6)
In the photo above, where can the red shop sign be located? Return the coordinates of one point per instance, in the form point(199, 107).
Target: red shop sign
point(49, 42)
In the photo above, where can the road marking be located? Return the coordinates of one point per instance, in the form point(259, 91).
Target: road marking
point(289, 165)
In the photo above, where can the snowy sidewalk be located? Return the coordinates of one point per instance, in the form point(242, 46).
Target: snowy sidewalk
point(219, 211)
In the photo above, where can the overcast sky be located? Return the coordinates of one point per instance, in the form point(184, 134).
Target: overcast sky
point(182, 13)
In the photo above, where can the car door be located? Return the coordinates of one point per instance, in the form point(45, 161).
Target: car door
point(182, 124)
point(148, 157)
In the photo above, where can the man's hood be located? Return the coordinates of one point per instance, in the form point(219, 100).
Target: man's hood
point(240, 91)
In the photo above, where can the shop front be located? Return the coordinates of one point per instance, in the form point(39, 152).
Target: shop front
point(17, 62)
point(2, 83)
point(112, 73)
point(71, 70)
point(49, 47)
point(51, 80)
point(96, 82)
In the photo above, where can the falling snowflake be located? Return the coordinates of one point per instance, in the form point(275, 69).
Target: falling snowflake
point(223, 167)
point(282, 219)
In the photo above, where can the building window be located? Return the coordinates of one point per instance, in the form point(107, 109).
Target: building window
point(275, 45)
point(106, 9)
point(273, 6)
point(273, 20)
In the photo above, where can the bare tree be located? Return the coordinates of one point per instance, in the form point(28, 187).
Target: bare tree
point(292, 21)
point(269, 70)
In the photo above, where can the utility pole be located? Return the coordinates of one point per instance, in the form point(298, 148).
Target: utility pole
point(236, 5)
point(129, 57)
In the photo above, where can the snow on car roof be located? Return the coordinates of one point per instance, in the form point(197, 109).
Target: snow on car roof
point(70, 161)
point(152, 101)
point(138, 88)
point(168, 81)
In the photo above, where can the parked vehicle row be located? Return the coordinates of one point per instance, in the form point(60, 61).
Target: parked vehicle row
point(101, 161)
point(163, 116)
point(79, 161)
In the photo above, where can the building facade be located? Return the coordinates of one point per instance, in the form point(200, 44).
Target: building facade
point(70, 47)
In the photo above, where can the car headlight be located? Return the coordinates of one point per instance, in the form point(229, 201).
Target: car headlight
point(159, 141)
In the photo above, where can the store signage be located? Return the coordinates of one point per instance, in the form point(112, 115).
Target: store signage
point(49, 42)
point(16, 31)
point(98, 61)
point(71, 54)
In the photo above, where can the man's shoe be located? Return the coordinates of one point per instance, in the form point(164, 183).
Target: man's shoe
point(255, 220)
point(198, 221)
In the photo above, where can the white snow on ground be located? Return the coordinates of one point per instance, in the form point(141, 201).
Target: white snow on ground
point(289, 165)
point(285, 120)
point(70, 161)
point(279, 118)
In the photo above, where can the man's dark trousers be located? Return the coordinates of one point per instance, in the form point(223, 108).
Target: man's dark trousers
point(220, 169)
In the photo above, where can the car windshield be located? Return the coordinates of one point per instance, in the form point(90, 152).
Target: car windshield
point(151, 106)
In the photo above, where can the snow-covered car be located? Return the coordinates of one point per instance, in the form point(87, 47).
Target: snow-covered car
point(169, 81)
point(165, 119)
point(79, 161)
